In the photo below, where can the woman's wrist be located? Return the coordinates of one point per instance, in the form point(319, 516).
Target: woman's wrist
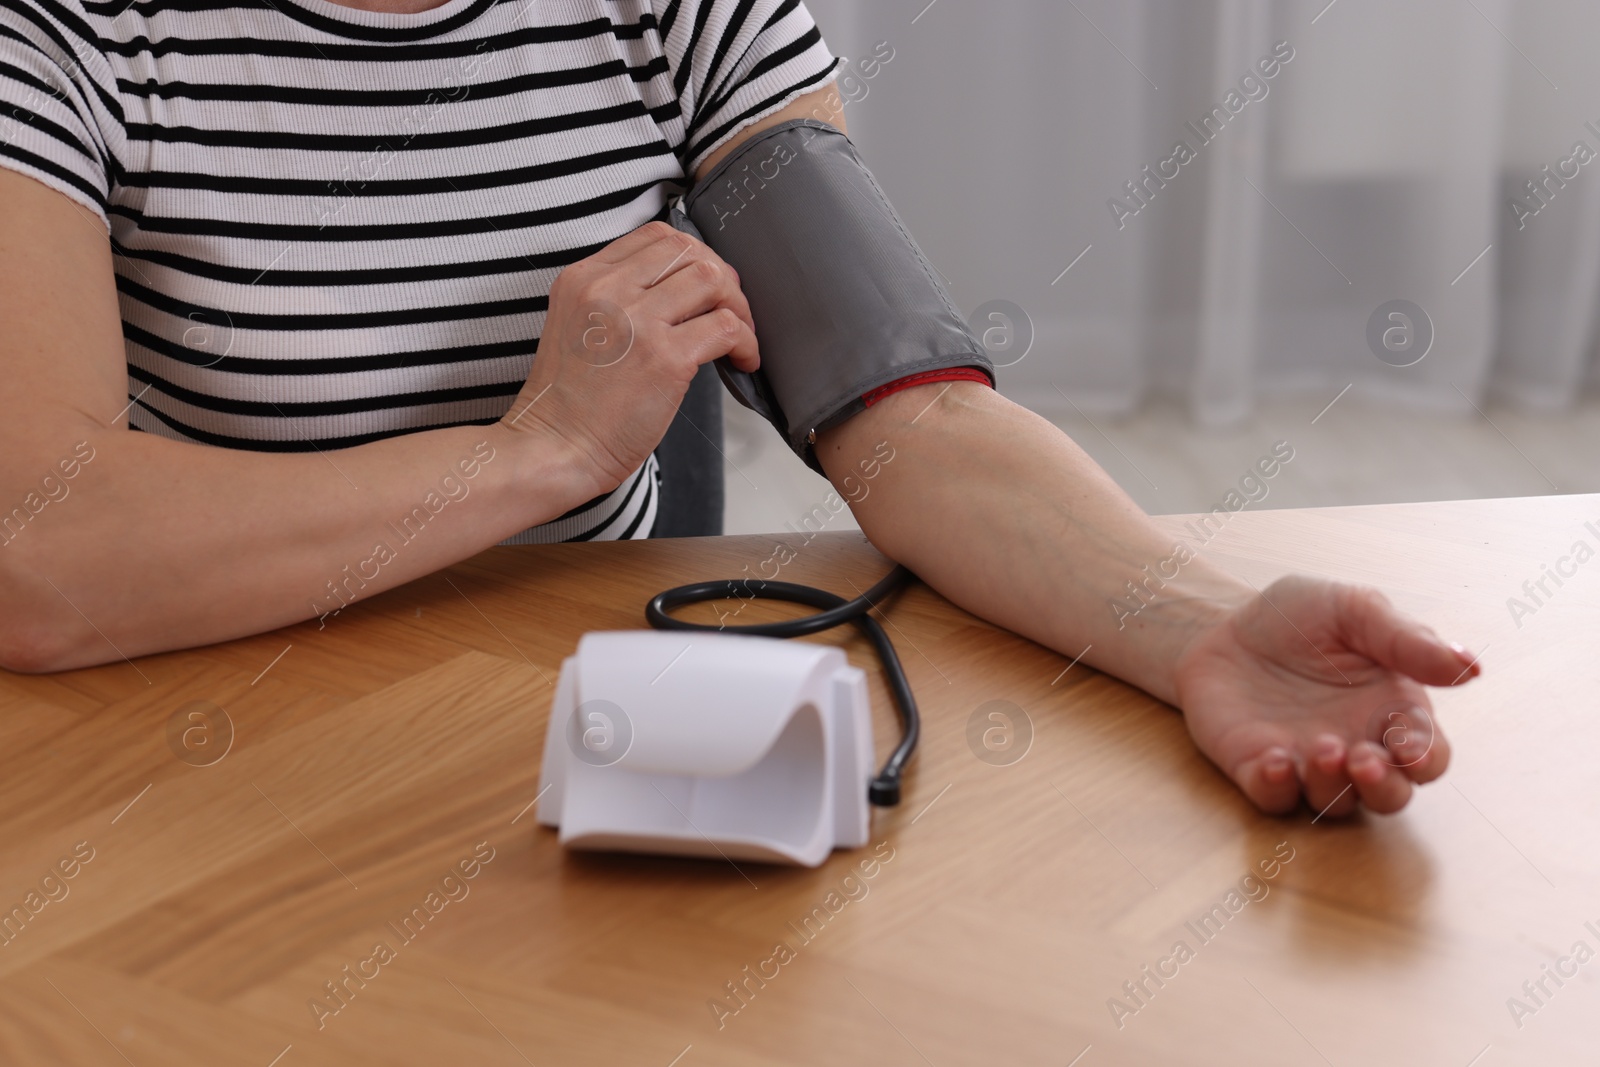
point(1180, 620)
point(1208, 614)
point(550, 476)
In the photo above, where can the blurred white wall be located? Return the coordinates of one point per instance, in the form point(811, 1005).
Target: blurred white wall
point(1376, 165)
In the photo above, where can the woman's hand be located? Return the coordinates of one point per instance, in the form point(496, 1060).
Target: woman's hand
point(1315, 688)
point(625, 333)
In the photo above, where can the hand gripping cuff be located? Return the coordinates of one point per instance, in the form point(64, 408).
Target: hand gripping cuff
point(843, 300)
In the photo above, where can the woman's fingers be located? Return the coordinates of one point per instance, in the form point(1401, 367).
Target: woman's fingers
point(695, 290)
point(718, 333)
point(1269, 781)
point(1322, 773)
point(1381, 785)
point(633, 242)
point(1415, 744)
point(1372, 627)
point(656, 263)
point(1336, 778)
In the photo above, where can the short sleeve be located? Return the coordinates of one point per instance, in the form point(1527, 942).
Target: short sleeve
point(733, 62)
point(50, 105)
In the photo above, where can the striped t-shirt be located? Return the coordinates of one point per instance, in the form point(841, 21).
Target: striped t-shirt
point(333, 225)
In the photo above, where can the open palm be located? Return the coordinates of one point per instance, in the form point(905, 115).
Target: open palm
point(1316, 689)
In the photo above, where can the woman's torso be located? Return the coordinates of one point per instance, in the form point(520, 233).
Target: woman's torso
point(336, 226)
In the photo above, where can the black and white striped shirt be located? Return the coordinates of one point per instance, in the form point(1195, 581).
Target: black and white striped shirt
point(334, 225)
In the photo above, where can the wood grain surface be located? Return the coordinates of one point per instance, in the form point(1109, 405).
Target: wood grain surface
point(220, 886)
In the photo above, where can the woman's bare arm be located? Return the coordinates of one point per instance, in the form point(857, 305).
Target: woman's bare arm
point(153, 544)
point(1294, 690)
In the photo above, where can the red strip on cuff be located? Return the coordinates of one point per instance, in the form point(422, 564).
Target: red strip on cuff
point(951, 374)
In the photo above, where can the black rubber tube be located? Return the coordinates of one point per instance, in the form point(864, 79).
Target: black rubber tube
point(884, 790)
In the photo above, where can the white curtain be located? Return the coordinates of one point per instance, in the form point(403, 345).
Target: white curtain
point(1380, 163)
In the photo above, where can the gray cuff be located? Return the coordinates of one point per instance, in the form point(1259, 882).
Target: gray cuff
point(843, 300)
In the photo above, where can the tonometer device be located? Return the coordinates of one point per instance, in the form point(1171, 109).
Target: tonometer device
point(690, 741)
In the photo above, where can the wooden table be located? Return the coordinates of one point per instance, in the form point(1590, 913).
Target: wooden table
point(1011, 903)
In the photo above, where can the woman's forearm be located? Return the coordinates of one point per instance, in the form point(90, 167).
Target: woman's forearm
point(118, 543)
point(1004, 515)
point(153, 544)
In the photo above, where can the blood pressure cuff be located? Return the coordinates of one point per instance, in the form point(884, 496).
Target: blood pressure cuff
point(843, 300)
